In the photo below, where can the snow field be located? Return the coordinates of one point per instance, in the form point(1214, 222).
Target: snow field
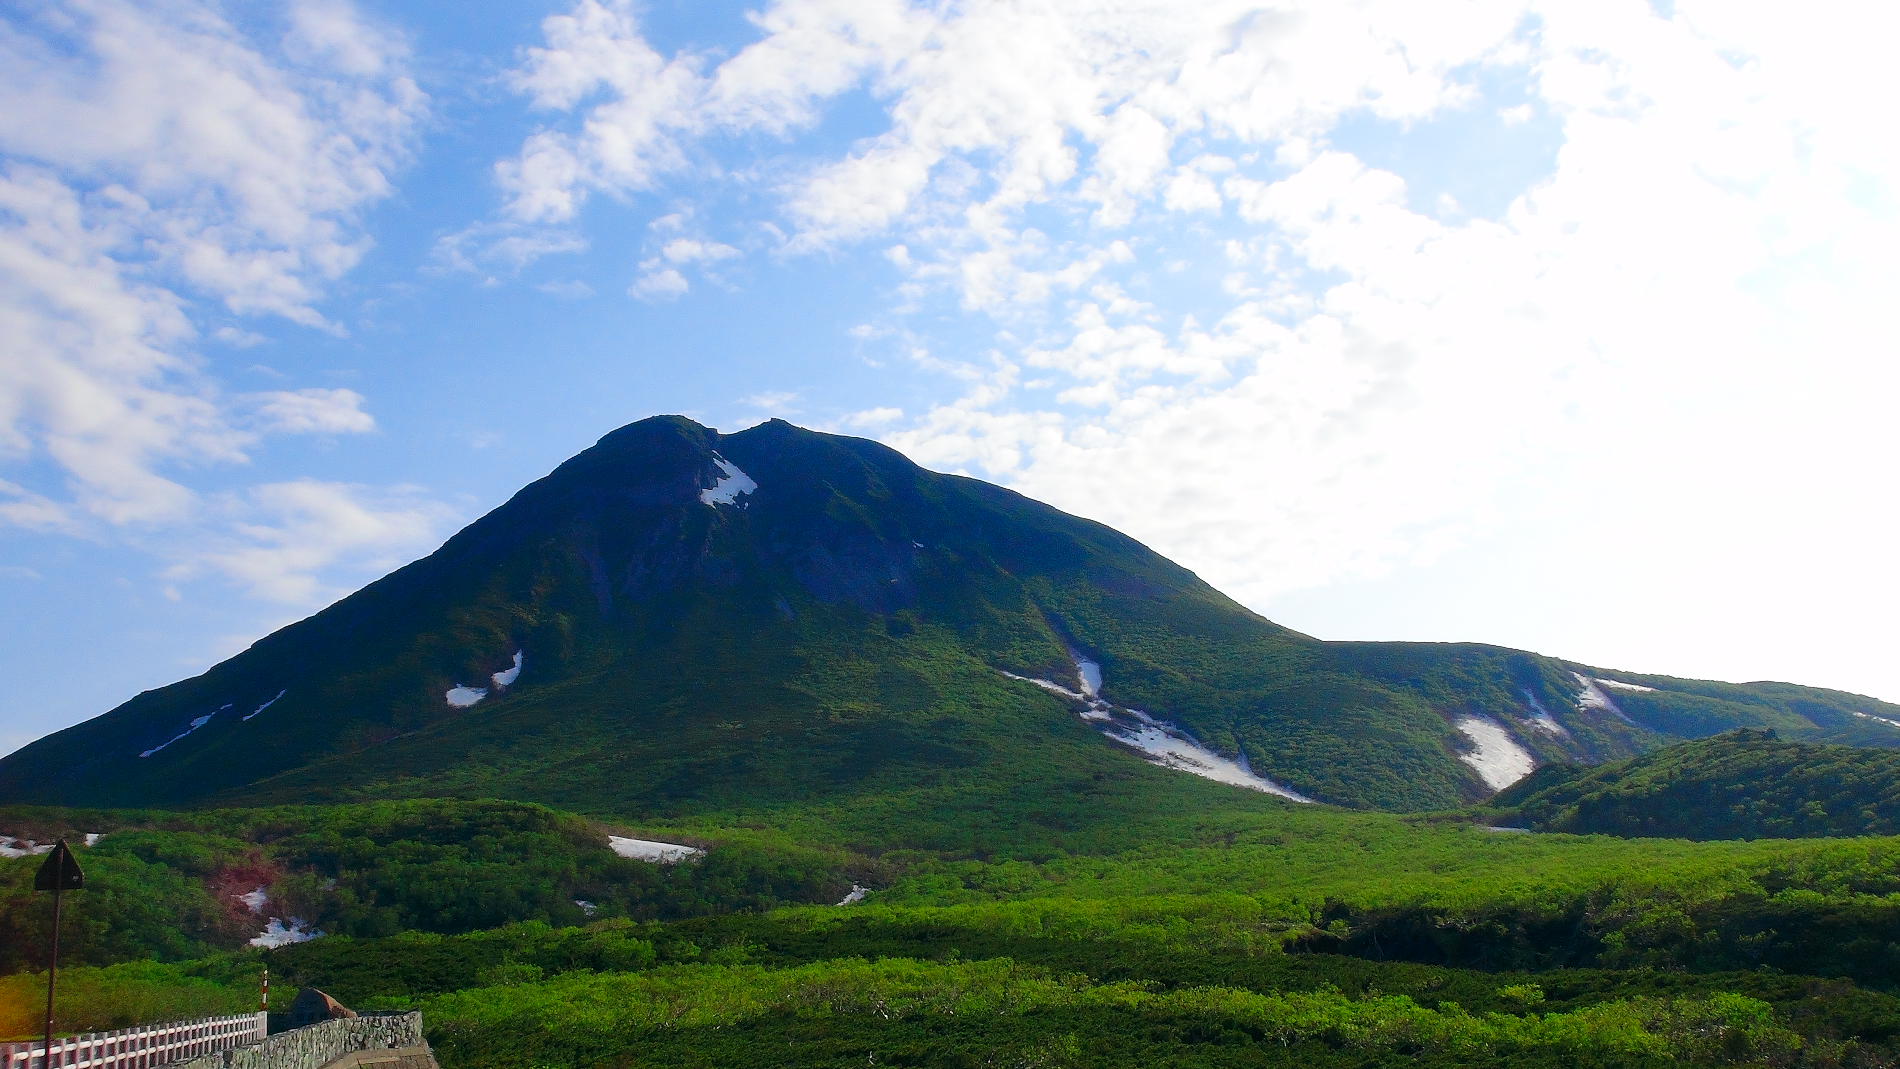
point(1090, 672)
point(1542, 720)
point(462, 697)
point(1159, 742)
point(264, 706)
point(730, 485)
point(195, 725)
point(507, 678)
point(13, 846)
point(280, 933)
point(1593, 697)
point(1053, 688)
point(1620, 685)
point(1495, 755)
point(648, 850)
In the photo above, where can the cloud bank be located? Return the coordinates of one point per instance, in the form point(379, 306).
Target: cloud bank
point(164, 176)
point(1199, 301)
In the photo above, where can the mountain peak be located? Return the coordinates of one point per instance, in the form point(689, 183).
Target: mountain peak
point(656, 429)
point(676, 616)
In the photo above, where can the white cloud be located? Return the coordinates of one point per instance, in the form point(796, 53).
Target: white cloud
point(160, 162)
point(505, 246)
point(657, 283)
point(1682, 319)
point(782, 402)
point(630, 139)
point(874, 417)
point(237, 337)
point(1685, 309)
point(284, 539)
point(994, 109)
point(693, 250)
point(567, 290)
point(644, 111)
point(20, 507)
point(312, 411)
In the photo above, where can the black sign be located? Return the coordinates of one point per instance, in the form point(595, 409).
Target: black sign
point(61, 871)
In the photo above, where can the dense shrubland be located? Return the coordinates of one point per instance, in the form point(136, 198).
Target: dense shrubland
point(163, 885)
point(1738, 785)
point(1287, 936)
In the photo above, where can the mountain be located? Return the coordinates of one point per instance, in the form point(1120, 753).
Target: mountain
point(1739, 785)
point(681, 622)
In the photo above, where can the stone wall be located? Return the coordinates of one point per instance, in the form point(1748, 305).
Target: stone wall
point(318, 1045)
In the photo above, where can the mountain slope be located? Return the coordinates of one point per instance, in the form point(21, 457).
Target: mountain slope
point(1739, 785)
point(678, 621)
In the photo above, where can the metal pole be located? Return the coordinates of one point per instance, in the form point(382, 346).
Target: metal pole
point(52, 977)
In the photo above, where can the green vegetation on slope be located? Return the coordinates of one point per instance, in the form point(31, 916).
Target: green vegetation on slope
point(811, 685)
point(1739, 785)
point(94, 999)
point(837, 634)
point(165, 885)
point(1295, 936)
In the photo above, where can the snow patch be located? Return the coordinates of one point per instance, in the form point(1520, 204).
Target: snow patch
point(279, 933)
point(1090, 672)
point(730, 485)
point(1170, 747)
point(1882, 719)
point(1496, 756)
point(588, 909)
point(507, 678)
point(1620, 685)
point(461, 697)
point(857, 895)
point(1592, 697)
point(195, 725)
point(648, 850)
point(255, 901)
point(1053, 688)
point(12, 846)
point(1160, 742)
point(1542, 720)
point(264, 706)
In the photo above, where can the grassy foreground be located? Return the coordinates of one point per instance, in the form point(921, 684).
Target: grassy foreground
point(1260, 937)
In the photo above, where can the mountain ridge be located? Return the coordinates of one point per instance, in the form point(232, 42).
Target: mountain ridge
point(842, 625)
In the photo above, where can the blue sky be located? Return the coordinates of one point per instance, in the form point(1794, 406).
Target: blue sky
point(1552, 325)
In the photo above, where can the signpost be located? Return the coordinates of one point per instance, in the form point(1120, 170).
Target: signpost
point(59, 873)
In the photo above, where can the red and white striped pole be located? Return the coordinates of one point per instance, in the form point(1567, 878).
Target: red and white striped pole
point(263, 1006)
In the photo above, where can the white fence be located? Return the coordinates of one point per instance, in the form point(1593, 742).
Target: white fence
point(138, 1048)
